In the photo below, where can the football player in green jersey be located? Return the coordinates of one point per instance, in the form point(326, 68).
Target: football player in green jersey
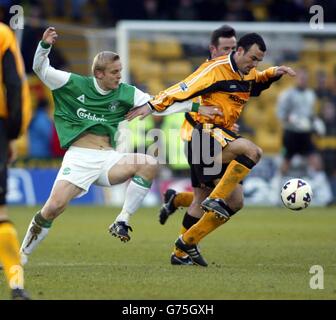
point(88, 110)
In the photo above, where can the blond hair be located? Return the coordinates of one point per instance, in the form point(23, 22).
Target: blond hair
point(102, 59)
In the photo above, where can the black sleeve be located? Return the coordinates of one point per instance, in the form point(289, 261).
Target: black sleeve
point(258, 87)
point(13, 84)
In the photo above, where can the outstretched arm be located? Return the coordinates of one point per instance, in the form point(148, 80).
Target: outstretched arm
point(264, 79)
point(186, 106)
point(279, 71)
point(200, 82)
point(51, 77)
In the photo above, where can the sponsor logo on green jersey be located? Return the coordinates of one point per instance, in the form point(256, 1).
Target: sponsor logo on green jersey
point(84, 114)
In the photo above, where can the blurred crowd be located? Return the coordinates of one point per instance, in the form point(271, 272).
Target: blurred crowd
point(109, 12)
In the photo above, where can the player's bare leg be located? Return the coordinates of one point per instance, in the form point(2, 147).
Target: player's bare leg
point(62, 193)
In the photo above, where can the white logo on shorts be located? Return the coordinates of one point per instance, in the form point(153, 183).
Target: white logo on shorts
point(66, 171)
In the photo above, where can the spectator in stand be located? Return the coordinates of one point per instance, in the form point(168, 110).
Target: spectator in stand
point(296, 111)
point(329, 11)
point(76, 8)
point(126, 9)
point(40, 132)
point(151, 8)
point(238, 11)
point(328, 115)
point(211, 10)
point(322, 90)
point(285, 10)
point(5, 5)
point(56, 150)
point(186, 10)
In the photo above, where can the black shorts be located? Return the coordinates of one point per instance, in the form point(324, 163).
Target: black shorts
point(297, 143)
point(201, 150)
point(3, 161)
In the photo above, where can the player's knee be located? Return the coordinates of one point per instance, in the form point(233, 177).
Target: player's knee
point(151, 166)
point(254, 153)
point(259, 153)
point(248, 149)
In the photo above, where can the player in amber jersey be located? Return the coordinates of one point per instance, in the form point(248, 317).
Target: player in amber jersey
point(14, 118)
point(226, 82)
point(223, 42)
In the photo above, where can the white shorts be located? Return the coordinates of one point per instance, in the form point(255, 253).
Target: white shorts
point(84, 167)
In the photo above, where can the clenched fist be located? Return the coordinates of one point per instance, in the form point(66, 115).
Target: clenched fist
point(50, 36)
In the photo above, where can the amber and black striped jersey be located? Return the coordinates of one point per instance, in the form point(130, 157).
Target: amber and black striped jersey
point(15, 103)
point(216, 82)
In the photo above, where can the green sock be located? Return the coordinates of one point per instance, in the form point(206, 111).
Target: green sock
point(42, 222)
point(142, 182)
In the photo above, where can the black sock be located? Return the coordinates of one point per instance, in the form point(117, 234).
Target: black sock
point(189, 221)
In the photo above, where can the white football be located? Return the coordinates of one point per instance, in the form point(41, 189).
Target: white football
point(296, 194)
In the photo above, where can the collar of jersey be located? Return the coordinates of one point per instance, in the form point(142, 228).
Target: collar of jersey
point(99, 89)
point(233, 62)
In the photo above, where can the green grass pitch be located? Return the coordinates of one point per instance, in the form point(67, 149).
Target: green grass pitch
point(262, 253)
